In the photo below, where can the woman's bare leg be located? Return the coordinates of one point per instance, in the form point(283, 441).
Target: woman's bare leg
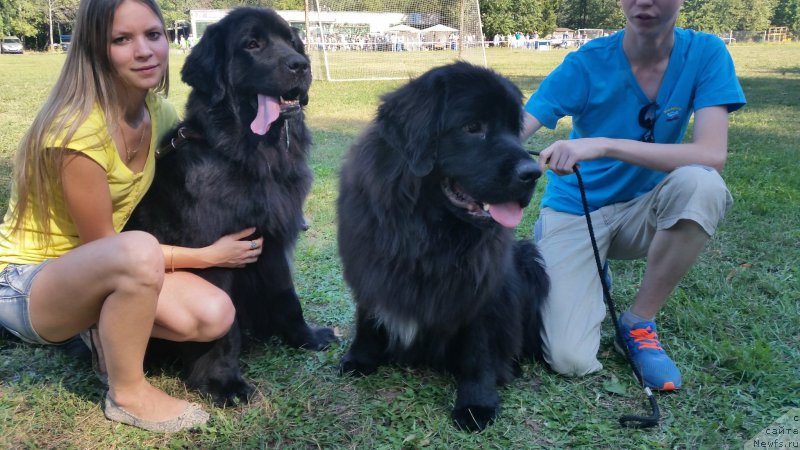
point(192, 309)
point(114, 282)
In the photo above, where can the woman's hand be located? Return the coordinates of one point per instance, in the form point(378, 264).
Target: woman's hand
point(231, 252)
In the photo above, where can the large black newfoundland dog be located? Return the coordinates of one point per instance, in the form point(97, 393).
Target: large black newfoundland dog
point(429, 196)
point(239, 159)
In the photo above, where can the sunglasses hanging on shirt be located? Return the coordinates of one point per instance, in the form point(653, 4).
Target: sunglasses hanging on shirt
point(647, 120)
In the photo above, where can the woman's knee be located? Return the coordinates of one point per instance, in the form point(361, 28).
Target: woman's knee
point(215, 317)
point(139, 258)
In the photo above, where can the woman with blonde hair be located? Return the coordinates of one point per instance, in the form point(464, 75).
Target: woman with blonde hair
point(81, 168)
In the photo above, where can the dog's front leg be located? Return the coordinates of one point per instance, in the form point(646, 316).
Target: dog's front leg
point(213, 368)
point(368, 350)
point(477, 400)
point(271, 305)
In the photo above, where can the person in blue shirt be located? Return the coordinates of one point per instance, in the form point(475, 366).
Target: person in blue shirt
point(630, 96)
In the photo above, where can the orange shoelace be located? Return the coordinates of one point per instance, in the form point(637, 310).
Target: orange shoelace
point(646, 338)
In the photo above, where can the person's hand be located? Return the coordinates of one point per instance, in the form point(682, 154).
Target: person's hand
point(562, 156)
point(231, 252)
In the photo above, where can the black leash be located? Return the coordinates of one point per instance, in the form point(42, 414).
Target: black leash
point(632, 421)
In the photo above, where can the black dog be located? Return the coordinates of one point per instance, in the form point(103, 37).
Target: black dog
point(239, 159)
point(428, 197)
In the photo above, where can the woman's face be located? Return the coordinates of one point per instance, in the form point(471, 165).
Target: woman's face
point(138, 47)
point(650, 16)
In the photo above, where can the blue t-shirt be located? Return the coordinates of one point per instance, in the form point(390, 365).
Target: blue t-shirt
point(596, 86)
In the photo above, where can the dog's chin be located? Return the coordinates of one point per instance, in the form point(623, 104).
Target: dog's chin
point(291, 103)
point(475, 211)
point(290, 109)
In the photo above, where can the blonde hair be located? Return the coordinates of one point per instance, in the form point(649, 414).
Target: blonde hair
point(86, 81)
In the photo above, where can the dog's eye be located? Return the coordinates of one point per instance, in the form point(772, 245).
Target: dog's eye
point(252, 44)
point(475, 128)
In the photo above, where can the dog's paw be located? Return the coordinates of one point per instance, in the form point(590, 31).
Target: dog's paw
point(320, 339)
point(474, 418)
point(314, 339)
point(230, 392)
point(353, 367)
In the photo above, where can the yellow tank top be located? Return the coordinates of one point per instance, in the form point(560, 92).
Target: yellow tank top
point(127, 189)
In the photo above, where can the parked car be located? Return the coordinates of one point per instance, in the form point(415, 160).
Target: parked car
point(11, 44)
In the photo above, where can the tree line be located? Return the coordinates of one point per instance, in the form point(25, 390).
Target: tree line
point(542, 16)
point(32, 19)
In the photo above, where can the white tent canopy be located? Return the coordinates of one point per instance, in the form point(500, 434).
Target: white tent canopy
point(403, 29)
point(439, 29)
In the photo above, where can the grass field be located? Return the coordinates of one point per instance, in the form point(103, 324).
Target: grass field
point(733, 325)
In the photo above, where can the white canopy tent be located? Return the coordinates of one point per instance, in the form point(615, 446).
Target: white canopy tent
point(404, 37)
point(403, 29)
point(439, 29)
point(437, 35)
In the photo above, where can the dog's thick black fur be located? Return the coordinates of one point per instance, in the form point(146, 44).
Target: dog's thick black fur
point(437, 281)
point(229, 170)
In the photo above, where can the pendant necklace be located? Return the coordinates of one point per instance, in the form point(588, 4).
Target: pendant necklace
point(130, 154)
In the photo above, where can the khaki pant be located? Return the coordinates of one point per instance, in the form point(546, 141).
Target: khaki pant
point(574, 311)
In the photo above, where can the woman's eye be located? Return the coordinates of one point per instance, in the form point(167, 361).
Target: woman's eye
point(252, 44)
point(154, 35)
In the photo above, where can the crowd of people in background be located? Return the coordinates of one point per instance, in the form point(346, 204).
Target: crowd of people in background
point(397, 42)
point(389, 42)
point(533, 41)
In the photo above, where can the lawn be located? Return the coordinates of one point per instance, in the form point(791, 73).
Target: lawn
point(733, 324)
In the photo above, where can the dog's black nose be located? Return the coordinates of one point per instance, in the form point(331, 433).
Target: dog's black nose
point(297, 64)
point(527, 171)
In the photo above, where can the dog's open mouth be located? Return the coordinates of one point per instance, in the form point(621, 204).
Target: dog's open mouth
point(508, 214)
point(270, 108)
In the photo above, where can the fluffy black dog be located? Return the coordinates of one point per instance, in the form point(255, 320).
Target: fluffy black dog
point(428, 198)
point(239, 159)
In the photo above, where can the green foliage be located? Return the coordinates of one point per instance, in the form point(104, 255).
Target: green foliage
point(733, 324)
point(787, 14)
point(22, 17)
point(176, 11)
point(723, 15)
point(605, 14)
point(29, 18)
point(64, 12)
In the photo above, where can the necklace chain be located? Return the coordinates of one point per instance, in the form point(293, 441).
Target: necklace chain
point(130, 154)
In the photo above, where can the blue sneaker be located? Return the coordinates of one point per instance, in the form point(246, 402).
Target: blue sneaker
point(657, 369)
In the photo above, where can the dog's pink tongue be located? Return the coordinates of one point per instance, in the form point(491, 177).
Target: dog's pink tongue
point(508, 214)
point(268, 112)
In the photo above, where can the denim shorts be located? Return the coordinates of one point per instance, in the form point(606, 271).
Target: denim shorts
point(15, 288)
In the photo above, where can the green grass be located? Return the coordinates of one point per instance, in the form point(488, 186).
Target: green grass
point(733, 325)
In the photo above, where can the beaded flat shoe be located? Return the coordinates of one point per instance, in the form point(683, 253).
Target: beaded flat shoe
point(191, 417)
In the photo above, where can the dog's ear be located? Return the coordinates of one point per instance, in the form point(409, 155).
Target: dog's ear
point(297, 41)
point(411, 119)
point(204, 69)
